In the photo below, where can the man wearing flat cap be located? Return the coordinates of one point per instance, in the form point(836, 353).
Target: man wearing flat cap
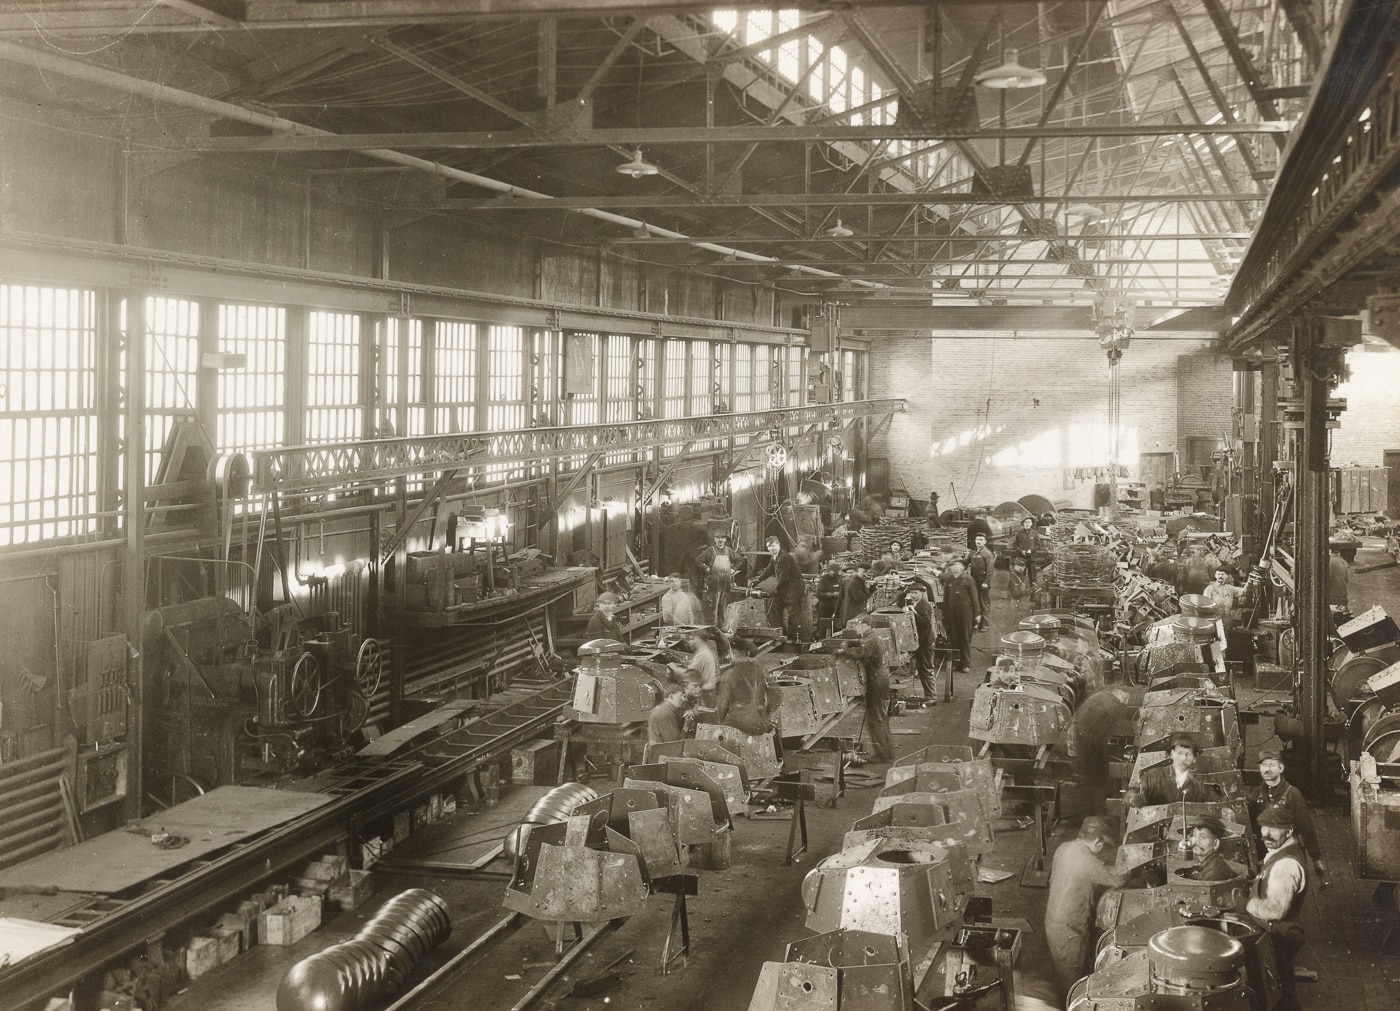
point(1078, 872)
point(1205, 834)
point(1276, 898)
point(1275, 791)
point(1175, 783)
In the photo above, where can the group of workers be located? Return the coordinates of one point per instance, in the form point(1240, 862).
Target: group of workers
point(1292, 861)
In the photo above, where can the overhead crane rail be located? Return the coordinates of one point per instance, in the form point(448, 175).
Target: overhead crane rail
point(308, 468)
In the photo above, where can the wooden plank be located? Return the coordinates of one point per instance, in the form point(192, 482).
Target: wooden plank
point(122, 859)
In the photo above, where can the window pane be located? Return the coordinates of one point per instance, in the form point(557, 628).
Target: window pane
point(454, 377)
point(252, 400)
point(48, 413)
point(333, 410)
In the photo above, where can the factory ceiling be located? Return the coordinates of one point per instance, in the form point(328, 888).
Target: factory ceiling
point(968, 153)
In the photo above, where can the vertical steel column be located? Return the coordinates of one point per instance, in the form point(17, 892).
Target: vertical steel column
point(134, 527)
point(1248, 488)
point(1309, 369)
point(1267, 451)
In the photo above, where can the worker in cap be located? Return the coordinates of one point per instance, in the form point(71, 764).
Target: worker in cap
point(1276, 898)
point(1275, 791)
point(1204, 834)
point(666, 721)
point(1175, 783)
point(602, 624)
point(1079, 871)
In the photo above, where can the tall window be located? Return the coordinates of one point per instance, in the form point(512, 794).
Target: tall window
point(724, 372)
point(506, 379)
point(333, 410)
point(795, 394)
point(620, 381)
point(253, 400)
point(545, 393)
point(647, 369)
point(673, 380)
point(403, 348)
point(505, 409)
point(848, 375)
point(454, 377)
point(743, 378)
point(172, 367)
point(701, 380)
point(673, 388)
point(583, 407)
point(48, 413)
point(762, 378)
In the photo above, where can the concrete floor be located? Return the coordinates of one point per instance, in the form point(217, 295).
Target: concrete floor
point(746, 914)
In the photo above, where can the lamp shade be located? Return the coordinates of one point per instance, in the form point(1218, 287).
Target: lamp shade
point(637, 166)
point(1010, 75)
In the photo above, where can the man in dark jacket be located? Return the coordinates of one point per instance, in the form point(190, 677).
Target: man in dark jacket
point(1205, 834)
point(869, 652)
point(1024, 545)
point(1102, 715)
point(980, 564)
point(916, 599)
point(854, 594)
point(962, 609)
point(785, 610)
point(1275, 791)
point(1276, 899)
point(828, 598)
point(1174, 783)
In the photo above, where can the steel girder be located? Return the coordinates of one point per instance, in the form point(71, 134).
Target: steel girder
point(334, 465)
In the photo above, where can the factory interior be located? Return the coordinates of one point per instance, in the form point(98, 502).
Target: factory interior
point(883, 505)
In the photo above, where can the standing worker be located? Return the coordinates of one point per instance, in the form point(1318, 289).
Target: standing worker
point(916, 598)
point(870, 654)
point(785, 610)
point(1078, 872)
point(1276, 900)
point(980, 564)
point(962, 608)
point(1024, 545)
point(719, 564)
point(855, 592)
point(1102, 715)
point(828, 598)
point(1275, 791)
point(1338, 576)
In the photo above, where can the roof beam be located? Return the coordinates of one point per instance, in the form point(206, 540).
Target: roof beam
point(654, 136)
point(507, 203)
point(1222, 104)
point(1251, 77)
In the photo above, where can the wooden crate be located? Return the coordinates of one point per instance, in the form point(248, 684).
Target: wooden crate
point(351, 893)
point(290, 920)
point(535, 763)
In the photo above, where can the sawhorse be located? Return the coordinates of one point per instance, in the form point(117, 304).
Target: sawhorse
point(679, 885)
point(798, 791)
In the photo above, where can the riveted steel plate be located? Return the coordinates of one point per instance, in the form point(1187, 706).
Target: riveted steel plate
point(756, 752)
point(795, 986)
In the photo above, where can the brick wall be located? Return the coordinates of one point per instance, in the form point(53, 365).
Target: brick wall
point(1199, 379)
point(1371, 422)
point(994, 417)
